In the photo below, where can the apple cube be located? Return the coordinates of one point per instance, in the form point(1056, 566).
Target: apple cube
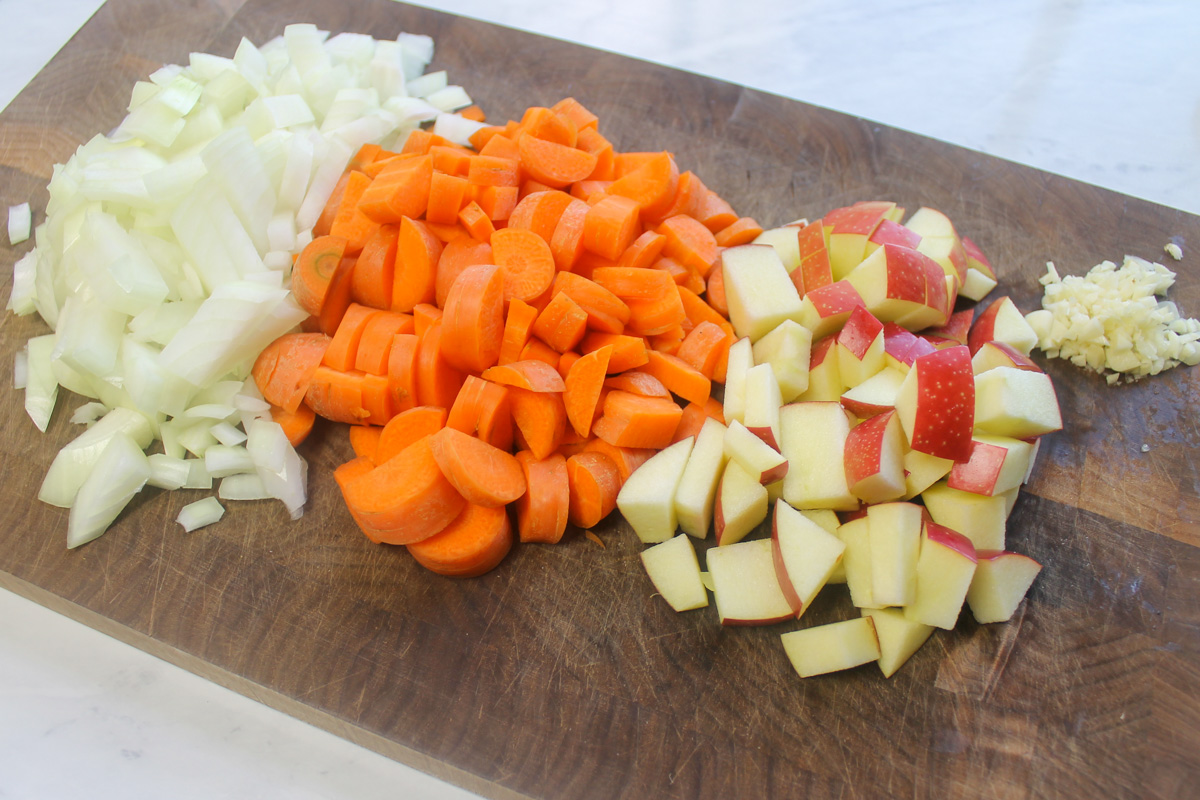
point(922, 470)
point(936, 403)
point(894, 537)
point(998, 354)
point(762, 462)
point(856, 560)
point(737, 364)
point(1001, 581)
point(828, 520)
point(785, 241)
point(955, 331)
point(874, 459)
point(996, 464)
point(899, 637)
point(1002, 321)
point(860, 347)
point(788, 349)
point(945, 568)
point(815, 270)
point(981, 278)
point(875, 395)
point(825, 309)
point(890, 231)
point(824, 377)
point(891, 282)
point(849, 230)
point(805, 555)
point(763, 399)
point(647, 499)
point(758, 290)
point(813, 436)
point(697, 493)
point(1036, 444)
point(1016, 402)
point(742, 503)
point(940, 241)
point(832, 647)
point(744, 583)
point(979, 517)
point(675, 572)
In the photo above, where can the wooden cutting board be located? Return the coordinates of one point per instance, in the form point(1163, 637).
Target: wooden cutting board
point(560, 674)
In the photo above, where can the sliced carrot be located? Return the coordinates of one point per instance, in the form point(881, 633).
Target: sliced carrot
point(547, 124)
point(566, 244)
point(296, 425)
point(744, 231)
point(589, 139)
point(543, 510)
point(474, 543)
point(627, 459)
point(527, 262)
point(644, 251)
point(472, 112)
point(593, 481)
point(533, 376)
point(446, 197)
point(610, 226)
point(401, 190)
point(485, 475)
point(517, 328)
point(501, 147)
point(681, 275)
point(336, 395)
point(424, 315)
point(438, 381)
point(530, 186)
point(375, 344)
point(418, 142)
point(537, 350)
point(668, 341)
point(477, 222)
point(562, 323)
point(552, 163)
point(631, 283)
point(679, 376)
point(350, 222)
point(605, 311)
point(343, 348)
point(493, 171)
point(376, 398)
point(314, 270)
point(541, 419)
point(285, 367)
point(406, 428)
point(573, 110)
point(402, 371)
point(687, 198)
point(418, 251)
point(473, 320)
point(446, 232)
point(690, 422)
point(652, 185)
point(405, 499)
point(451, 160)
point(480, 138)
point(540, 212)
point(590, 191)
point(716, 291)
point(697, 311)
point(497, 202)
point(325, 221)
point(337, 297)
point(456, 256)
point(364, 441)
point(638, 382)
point(689, 243)
point(625, 163)
point(629, 352)
point(704, 346)
point(581, 388)
point(482, 409)
point(714, 213)
point(374, 271)
point(633, 421)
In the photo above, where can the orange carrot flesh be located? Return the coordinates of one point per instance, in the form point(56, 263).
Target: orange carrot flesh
point(638, 382)
point(697, 310)
point(401, 190)
point(537, 350)
point(374, 271)
point(644, 251)
point(405, 499)
point(547, 124)
point(474, 542)
point(540, 212)
point(364, 441)
point(688, 195)
point(285, 367)
point(652, 185)
point(473, 319)
point(476, 221)
point(418, 251)
point(704, 347)
point(336, 395)
point(406, 428)
point(424, 315)
point(543, 510)
point(629, 352)
point(501, 147)
point(296, 425)
point(482, 409)
point(350, 222)
point(343, 349)
point(314, 269)
point(689, 243)
point(679, 377)
point(376, 399)
point(611, 226)
point(402, 371)
point(561, 324)
point(483, 474)
point(526, 260)
point(716, 291)
point(552, 163)
point(530, 375)
point(630, 283)
point(714, 213)
point(540, 419)
point(446, 196)
point(668, 341)
point(517, 328)
point(337, 297)
point(581, 389)
point(566, 244)
point(573, 110)
point(375, 344)
point(658, 315)
point(456, 256)
point(593, 482)
point(690, 422)
point(451, 161)
point(325, 221)
point(632, 421)
point(627, 459)
point(744, 231)
point(438, 381)
point(606, 312)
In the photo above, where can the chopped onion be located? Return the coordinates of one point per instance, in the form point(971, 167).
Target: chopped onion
point(168, 472)
point(75, 462)
point(283, 472)
point(198, 475)
point(200, 513)
point(227, 434)
point(20, 221)
point(221, 460)
point(41, 387)
point(21, 367)
point(243, 486)
point(120, 472)
point(88, 413)
point(24, 288)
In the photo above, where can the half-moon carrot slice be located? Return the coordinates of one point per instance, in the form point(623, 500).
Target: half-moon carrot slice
point(297, 425)
point(581, 390)
point(406, 428)
point(474, 542)
point(485, 475)
point(554, 164)
point(285, 367)
point(531, 375)
point(314, 269)
point(594, 482)
point(542, 511)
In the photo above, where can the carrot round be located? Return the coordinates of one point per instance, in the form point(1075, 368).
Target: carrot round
point(581, 388)
point(545, 123)
point(456, 256)
point(540, 419)
point(401, 190)
point(633, 421)
point(527, 262)
point(688, 195)
point(714, 213)
point(285, 367)
point(375, 269)
point(375, 343)
point(689, 243)
point(644, 251)
point(485, 475)
point(629, 352)
point(573, 110)
point(704, 346)
point(364, 441)
point(679, 377)
point(438, 381)
point(473, 319)
point(406, 428)
point(474, 542)
point(566, 244)
point(540, 212)
point(606, 312)
point(405, 499)
point(543, 510)
point(314, 269)
point(716, 291)
point(337, 297)
point(530, 375)
point(537, 350)
point(611, 226)
point(482, 409)
point(325, 221)
point(446, 195)
point(417, 254)
point(593, 482)
point(350, 222)
point(562, 323)
point(554, 164)
point(744, 231)
point(517, 328)
point(402, 371)
point(297, 425)
point(638, 382)
point(343, 349)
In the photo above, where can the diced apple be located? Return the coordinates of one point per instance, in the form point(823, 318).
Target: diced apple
point(891, 282)
point(824, 379)
point(860, 347)
point(894, 536)
point(761, 462)
point(785, 241)
point(922, 470)
point(875, 395)
point(1002, 578)
point(758, 290)
point(856, 561)
point(815, 270)
point(738, 363)
point(899, 637)
point(998, 354)
point(788, 349)
point(825, 309)
point(675, 572)
point(850, 228)
point(763, 399)
point(647, 499)
point(874, 459)
point(742, 503)
point(981, 278)
point(813, 436)
point(981, 518)
point(1002, 321)
point(697, 493)
point(936, 403)
point(996, 464)
point(1016, 402)
point(1036, 444)
point(955, 331)
point(833, 647)
point(744, 583)
point(940, 240)
point(945, 568)
point(892, 232)
point(805, 555)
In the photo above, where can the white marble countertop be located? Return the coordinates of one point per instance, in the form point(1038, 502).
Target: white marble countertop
point(1104, 92)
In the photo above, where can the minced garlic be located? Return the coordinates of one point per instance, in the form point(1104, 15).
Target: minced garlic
point(1112, 322)
point(1173, 250)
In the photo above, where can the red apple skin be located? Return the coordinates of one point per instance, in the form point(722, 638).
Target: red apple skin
point(864, 444)
point(906, 273)
point(979, 472)
point(860, 330)
point(976, 258)
point(897, 341)
point(862, 217)
point(864, 410)
point(890, 232)
point(850, 516)
point(952, 539)
point(922, 347)
point(984, 329)
point(957, 328)
point(815, 270)
point(936, 295)
point(774, 473)
point(821, 351)
point(1018, 359)
point(781, 574)
point(839, 297)
point(945, 407)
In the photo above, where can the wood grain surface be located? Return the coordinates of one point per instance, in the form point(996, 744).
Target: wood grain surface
point(560, 674)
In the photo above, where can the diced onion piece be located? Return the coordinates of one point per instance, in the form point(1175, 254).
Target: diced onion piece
point(455, 128)
point(222, 459)
point(119, 473)
point(168, 472)
point(283, 472)
point(200, 513)
point(22, 299)
point(198, 475)
point(21, 367)
point(427, 84)
point(77, 460)
point(243, 486)
point(88, 413)
point(449, 98)
point(227, 434)
point(41, 387)
point(20, 223)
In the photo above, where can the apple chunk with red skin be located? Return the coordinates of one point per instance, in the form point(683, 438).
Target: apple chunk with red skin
point(996, 464)
point(1002, 321)
point(763, 399)
point(785, 241)
point(945, 569)
point(860, 347)
point(805, 555)
point(742, 503)
point(936, 404)
point(760, 461)
point(874, 459)
point(696, 496)
point(875, 395)
point(824, 373)
point(744, 583)
point(815, 270)
point(1001, 581)
point(999, 354)
point(981, 278)
point(1014, 402)
point(833, 647)
point(849, 230)
point(758, 290)
point(825, 310)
